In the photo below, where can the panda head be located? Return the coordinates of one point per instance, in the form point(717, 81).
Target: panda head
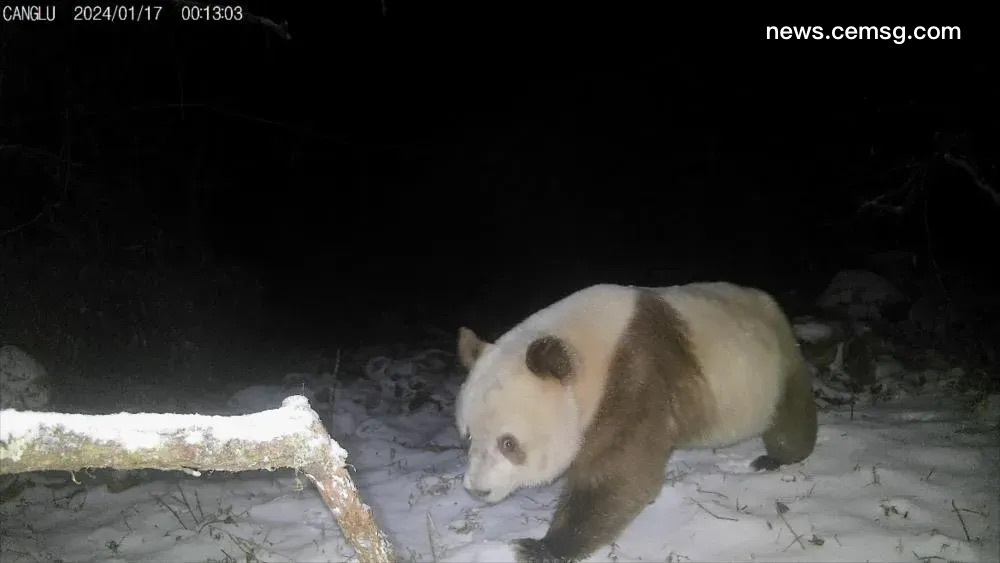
point(516, 411)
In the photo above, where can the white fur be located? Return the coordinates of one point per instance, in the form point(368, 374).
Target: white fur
point(744, 345)
point(739, 336)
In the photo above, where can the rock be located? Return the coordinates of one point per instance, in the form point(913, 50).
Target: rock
point(861, 295)
point(819, 339)
point(859, 359)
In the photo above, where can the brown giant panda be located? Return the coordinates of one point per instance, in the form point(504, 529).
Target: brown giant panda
point(605, 384)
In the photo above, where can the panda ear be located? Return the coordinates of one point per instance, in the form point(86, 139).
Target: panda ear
point(470, 347)
point(548, 356)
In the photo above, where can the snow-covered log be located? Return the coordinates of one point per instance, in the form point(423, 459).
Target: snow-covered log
point(291, 436)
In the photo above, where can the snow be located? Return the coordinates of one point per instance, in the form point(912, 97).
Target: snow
point(812, 331)
point(910, 477)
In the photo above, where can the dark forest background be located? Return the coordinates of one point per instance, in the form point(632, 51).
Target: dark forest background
point(388, 176)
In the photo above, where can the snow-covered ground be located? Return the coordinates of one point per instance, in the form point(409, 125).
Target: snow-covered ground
point(909, 477)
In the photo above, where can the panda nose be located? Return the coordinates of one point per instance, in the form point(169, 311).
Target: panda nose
point(479, 493)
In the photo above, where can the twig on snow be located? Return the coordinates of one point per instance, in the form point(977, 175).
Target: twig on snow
point(781, 508)
point(710, 513)
point(700, 490)
point(961, 520)
point(430, 536)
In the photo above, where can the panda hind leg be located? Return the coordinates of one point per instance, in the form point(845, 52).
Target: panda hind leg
point(792, 436)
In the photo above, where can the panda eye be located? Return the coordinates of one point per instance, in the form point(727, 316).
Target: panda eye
point(507, 443)
point(511, 449)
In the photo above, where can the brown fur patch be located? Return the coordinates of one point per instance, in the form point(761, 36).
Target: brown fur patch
point(549, 356)
point(792, 436)
point(655, 397)
point(655, 390)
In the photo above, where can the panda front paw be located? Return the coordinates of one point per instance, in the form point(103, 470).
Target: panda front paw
point(530, 550)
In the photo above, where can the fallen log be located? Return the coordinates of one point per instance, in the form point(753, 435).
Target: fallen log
point(291, 436)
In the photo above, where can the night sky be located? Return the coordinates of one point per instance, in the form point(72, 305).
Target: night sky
point(442, 167)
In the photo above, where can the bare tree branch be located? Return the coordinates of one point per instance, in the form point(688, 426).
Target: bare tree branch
point(977, 179)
